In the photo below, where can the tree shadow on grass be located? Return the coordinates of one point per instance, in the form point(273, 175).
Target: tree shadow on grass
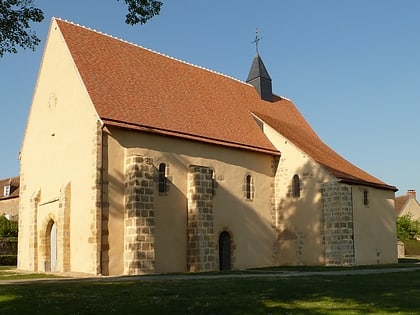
point(356, 294)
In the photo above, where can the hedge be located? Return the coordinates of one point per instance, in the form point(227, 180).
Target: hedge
point(8, 260)
point(412, 247)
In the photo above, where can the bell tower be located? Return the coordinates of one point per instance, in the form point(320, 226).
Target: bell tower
point(258, 75)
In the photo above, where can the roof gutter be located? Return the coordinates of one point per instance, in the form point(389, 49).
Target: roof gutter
point(369, 184)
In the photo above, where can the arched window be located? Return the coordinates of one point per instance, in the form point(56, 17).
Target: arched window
point(249, 187)
point(296, 186)
point(162, 178)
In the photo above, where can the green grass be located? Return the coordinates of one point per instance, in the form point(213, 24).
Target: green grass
point(10, 273)
point(392, 293)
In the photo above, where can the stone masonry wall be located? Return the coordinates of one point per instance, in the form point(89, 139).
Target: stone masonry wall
point(201, 243)
point(63, 233)
point(95, 211)
point(275, 205)
point(338, 224)
point(33, 230)
point(139, 217)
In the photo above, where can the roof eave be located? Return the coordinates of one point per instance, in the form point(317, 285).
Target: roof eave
point(352, 181)
point(171, 133)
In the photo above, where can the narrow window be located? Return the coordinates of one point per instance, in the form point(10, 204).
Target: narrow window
point(365, 198)
point(296, 186)
point(162, 177)
point(213, 183)
point(249, 187)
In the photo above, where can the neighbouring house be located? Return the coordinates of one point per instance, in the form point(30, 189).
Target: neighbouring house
point(9, 198)
point(134, 162)
point(407, 204)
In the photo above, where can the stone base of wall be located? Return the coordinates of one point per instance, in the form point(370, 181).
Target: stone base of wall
point(401, 249)
point(338, 224)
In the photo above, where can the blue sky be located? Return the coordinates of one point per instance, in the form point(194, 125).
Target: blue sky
point(352, 67)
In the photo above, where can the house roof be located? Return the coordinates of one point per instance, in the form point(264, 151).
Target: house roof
point(133, 87)
point(401, 202)
point(14, 187)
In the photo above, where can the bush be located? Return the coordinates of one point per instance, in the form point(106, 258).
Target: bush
point(8, 228)
point(408, 228)
point(8, 260)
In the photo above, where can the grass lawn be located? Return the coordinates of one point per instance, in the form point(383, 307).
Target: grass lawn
point(7, 273)
point(390, 293)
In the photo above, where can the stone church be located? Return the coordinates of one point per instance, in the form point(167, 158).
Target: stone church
point(134, 162)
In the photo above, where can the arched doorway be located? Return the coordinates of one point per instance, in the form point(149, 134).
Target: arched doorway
point(50, 247)
point(224, 251)
point(53, 247)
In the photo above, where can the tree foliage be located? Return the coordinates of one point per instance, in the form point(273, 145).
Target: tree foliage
point(140, 11)
point(8, 228)
point(16, 17)
point(408, 228)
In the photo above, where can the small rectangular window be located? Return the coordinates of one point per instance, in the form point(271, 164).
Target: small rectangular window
point(162, 178)
point(365, 198)
point(213, 183)
point(249, 187)
point(6, 191)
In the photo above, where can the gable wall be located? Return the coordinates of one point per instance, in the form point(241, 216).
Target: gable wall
point(248, 222)
point(59, 150)
point(413, 207)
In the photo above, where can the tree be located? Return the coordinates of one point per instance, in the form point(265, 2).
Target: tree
point(16, 17)
point(407, 227)
point(140, 11)
point(8, 228)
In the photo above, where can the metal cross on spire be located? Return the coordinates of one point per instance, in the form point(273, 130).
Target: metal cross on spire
point(256, 40)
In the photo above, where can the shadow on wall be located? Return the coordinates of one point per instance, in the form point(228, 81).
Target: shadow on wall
point(285, 230)
point(291, 235)
point(300, 218)
point(167, 219)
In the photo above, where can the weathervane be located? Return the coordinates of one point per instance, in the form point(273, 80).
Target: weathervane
point(256, 40)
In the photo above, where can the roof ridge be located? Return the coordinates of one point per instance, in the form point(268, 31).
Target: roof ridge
point(151, 50)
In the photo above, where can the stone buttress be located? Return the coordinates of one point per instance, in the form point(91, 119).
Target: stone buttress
point(139, 217)
point(338, 224)
point(200, 230)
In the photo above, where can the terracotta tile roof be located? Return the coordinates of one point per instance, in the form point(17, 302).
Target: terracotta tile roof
point(133, 87)
point(14, 189)
point(400, 201)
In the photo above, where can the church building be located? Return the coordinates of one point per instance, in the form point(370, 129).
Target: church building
point(134, 162)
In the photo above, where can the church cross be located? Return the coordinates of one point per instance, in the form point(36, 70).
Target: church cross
point(256, 40)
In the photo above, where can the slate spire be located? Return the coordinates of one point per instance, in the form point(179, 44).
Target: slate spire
point(258, 76)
